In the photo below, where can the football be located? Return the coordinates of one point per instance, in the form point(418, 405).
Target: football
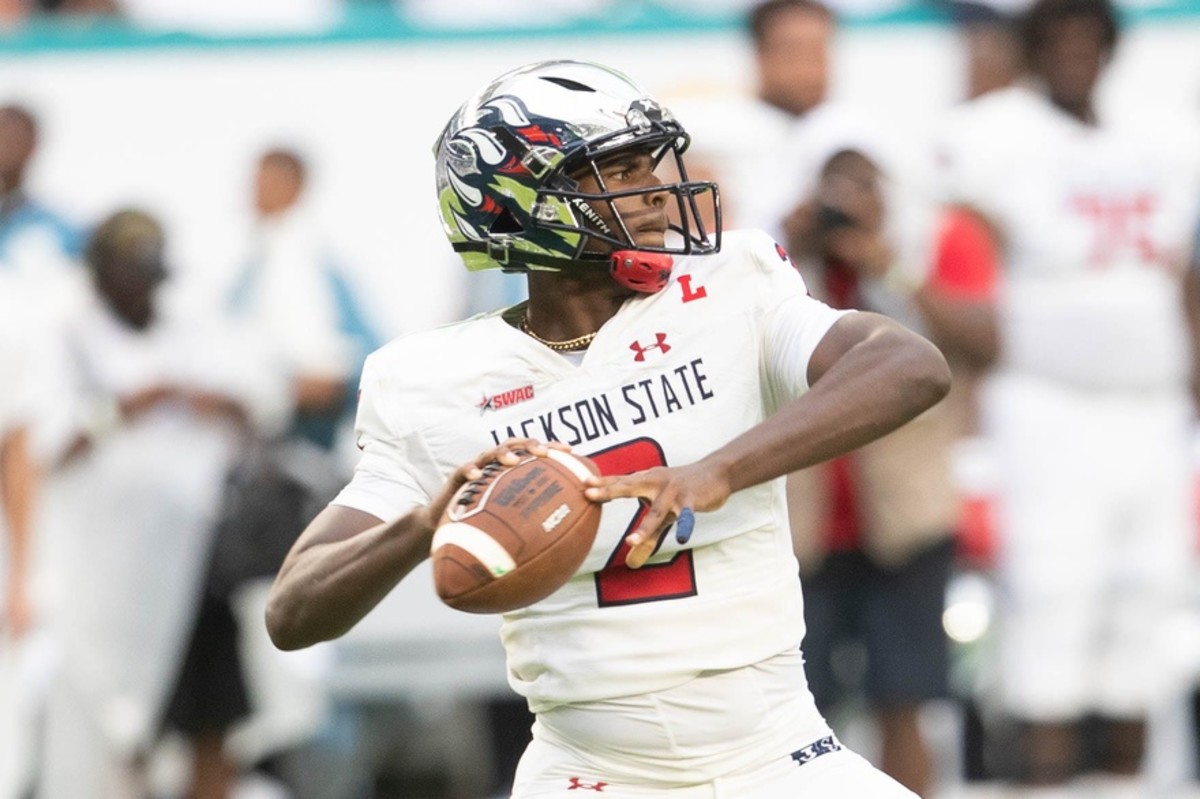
point(517, 534)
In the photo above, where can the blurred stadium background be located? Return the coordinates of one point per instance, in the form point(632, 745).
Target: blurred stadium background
point(165, 104)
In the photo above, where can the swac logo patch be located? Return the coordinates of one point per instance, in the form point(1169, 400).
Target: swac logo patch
point(505, 398)
point(659, 344)
point(578, 785)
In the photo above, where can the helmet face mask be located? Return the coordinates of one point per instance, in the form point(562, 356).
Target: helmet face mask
point(684, 199)
point(511, 162)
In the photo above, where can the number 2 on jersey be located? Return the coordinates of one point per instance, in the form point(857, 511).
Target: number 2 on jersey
point(616, 583)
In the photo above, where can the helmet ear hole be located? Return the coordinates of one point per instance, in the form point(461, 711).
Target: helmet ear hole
point(506, 222)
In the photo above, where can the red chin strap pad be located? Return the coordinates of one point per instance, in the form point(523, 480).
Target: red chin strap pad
point(647, 272)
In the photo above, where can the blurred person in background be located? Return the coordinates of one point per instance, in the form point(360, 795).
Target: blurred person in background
point(873, 530)
point(963, 284)
point(992, 48)
point(797, 126)
point(78, 8)
point(18, 483)
point(295, 293)
point(1086, 405)
point(39, 249)
point(966, 251)
point(13, 11)
point(155, 400)
point(301, 304)
point(18, 473)
point(34, 239)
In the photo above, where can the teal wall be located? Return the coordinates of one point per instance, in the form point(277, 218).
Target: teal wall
point(376, 22)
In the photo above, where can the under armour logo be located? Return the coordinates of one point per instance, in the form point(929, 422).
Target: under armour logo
point(579, 785)
point(660, 344)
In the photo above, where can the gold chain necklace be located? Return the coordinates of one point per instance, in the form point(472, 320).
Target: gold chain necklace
point(570, 345)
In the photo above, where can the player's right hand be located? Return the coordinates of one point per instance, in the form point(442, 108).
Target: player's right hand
point(668, 491)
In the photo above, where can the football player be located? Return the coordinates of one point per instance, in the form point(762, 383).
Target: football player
point(1087, 403)
point(696, 371)
point(18, 473)
point(19, 477)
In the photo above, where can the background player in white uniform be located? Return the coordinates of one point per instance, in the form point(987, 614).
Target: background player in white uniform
point(18, 483)
point(1087, 406)
point(154, 403)
point(872, 530)
point(662, 665)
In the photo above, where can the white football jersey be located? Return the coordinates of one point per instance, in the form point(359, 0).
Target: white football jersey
point(670, 378)
point(1094, 223)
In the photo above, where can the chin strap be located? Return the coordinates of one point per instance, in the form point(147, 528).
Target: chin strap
point(647, 272)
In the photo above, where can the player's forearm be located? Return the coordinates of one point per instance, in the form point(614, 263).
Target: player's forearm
point(18, 480)
point(880, 383)
point(327, 586)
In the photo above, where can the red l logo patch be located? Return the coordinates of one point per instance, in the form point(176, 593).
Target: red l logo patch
point(689, 294)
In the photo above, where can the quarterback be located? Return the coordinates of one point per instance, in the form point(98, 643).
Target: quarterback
point(696, 371)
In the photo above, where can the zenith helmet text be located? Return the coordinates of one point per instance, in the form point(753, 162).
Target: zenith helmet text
point(504, 175)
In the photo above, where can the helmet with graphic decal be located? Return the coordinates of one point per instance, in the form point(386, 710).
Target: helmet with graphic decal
point(508, 160)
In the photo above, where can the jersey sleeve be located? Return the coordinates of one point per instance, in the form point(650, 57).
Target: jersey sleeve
point(385, 483)
point(965, 261)
point(793, 323)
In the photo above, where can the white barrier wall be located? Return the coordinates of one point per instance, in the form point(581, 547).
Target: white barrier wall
point(176, 129)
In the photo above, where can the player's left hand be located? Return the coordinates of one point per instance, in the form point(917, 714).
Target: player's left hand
point(671, 493)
